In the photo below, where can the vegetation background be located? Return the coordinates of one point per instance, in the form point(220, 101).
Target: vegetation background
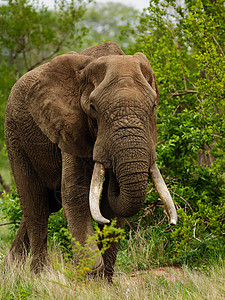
point(184, 42)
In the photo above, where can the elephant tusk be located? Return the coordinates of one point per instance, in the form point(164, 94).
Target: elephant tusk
point(163, 193)
point(95, 192)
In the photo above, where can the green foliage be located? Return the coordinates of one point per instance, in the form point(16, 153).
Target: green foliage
point(185, 46)
point(10, 208)
point(31, 34)
point(7, 79)
point(144, 249)
point(87, 256)
point(58, 231)
point(105, 21)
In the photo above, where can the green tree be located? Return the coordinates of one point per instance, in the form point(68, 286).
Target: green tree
point(185, 46)
point(105, 21)
point(30, 34)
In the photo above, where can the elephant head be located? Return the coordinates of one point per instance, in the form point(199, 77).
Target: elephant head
point(101, 104)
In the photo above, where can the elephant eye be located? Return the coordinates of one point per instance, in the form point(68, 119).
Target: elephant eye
point(154, 106)
point(92, 107)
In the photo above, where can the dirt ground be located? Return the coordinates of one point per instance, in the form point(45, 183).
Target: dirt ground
point(170, 274)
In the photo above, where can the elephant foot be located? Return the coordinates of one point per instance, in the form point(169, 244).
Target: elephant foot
point(98, 267)
point(100, 271)
point(97, 270)
point(39, 264)
point(19, 249)
point(108, 275)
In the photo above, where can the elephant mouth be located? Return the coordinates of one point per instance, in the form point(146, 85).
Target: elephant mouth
point(156, 177)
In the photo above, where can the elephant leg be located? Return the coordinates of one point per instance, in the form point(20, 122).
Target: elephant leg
point(37, 233)
point(36, 213)
point(20, 246)
point(109, 256)
point(33, 198)
point(76, 177)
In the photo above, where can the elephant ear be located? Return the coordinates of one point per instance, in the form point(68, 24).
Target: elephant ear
point(54, 104)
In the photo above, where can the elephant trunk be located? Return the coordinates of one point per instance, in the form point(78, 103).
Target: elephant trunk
point(128, 181)
point(128, 184)
point(132, 151)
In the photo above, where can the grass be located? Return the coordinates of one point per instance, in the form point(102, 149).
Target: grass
point(170, 283)
point(154, 283)
point(143, 251)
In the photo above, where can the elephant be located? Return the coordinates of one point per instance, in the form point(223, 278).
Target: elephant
point(75, 126)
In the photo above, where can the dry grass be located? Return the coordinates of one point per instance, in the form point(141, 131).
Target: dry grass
point(160, 283)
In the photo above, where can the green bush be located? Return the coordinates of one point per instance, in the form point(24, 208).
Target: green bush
point(185, 47)
point(58, 231)
point(11, 210)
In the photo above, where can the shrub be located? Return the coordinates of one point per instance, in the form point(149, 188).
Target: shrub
point(185, 47)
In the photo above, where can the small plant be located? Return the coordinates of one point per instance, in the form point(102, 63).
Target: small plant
point(10, 207)
point(87, 256)
point(58, 230)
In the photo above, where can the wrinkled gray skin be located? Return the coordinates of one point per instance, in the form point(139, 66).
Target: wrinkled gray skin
point(96, 106)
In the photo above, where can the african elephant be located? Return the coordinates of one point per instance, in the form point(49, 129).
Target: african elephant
point(70, 123)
